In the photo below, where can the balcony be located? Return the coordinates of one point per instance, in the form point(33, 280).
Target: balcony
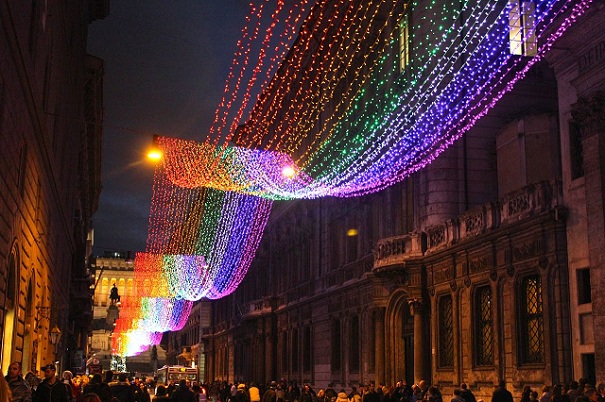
point(525, 203)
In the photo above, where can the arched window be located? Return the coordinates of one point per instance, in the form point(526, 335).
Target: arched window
point(446, 332)
point(484, 330)
point(531, 321)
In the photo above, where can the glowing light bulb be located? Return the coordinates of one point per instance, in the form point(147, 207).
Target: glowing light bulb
point(154, 155)
point(288, 171)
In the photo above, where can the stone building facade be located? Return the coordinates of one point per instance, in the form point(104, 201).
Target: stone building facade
point(50, 151)
point(484, 265)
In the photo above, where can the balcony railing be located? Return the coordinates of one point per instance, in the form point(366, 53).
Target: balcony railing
point(522, 204)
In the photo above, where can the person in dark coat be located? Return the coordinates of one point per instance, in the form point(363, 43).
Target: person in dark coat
point(270, 395)
point(51, 389)
point(161, 395)
point(17, 385)
point(501, 394)
point(122, 390)
point(97, 386)
point(182, 393)
point(466, 393)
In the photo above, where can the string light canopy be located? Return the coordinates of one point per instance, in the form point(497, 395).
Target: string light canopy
point(365, 97)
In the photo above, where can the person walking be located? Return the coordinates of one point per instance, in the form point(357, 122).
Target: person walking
point(51, 389)
point(182, 393)
point(19, 389)
point(501, 394)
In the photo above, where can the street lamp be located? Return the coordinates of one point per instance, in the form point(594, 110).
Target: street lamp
point(55, 337)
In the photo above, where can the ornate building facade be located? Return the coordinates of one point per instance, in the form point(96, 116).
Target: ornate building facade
point(484, 265)
point(50, 151)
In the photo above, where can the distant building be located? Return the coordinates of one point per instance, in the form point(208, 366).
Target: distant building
point(114, 269)
point(487, 264)
point(51, 113)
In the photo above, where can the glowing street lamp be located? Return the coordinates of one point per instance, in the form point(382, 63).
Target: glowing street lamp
point(154, 155)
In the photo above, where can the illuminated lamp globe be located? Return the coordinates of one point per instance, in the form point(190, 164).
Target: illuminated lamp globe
point(154, 155)
point(288, 171)
point(352, 232)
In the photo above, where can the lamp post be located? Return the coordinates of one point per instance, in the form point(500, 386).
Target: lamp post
point(55, 337)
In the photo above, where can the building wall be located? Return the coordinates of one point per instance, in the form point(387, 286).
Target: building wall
point(49, 175)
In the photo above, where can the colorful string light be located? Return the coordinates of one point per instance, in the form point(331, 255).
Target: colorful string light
point(336, 118)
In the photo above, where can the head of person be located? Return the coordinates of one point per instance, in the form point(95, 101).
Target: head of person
point(423, 385)
point(108, 376)
point(160, 391)
point(502, 384)
point(183, 383)
point(50, 371)
point(67, 375)
point(90, 397)
point(122, 377)
point(96, 379)
point(14, 370)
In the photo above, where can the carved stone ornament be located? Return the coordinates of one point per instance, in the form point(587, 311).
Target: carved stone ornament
point(467, 282)
point(589, 114)
point(493, 275)
point(453, 285)
point(415, 306)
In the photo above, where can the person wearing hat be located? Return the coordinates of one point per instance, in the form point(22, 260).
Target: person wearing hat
point(51, 389)
point(240, 394)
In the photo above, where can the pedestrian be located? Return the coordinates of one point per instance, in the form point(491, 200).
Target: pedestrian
point(51, 389)
point(270, 395)
point(501, 394)
point(182, 393)
point(122, 390)
point(90, 398)
point(254, 392)
point(98, 387)
point(466, 393)
point(161, 395)
point(19, 389)
point(69, 384)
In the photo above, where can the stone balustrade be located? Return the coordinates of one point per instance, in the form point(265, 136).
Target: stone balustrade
point(529, 201)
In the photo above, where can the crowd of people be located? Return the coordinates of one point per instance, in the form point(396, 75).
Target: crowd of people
point(29, 388)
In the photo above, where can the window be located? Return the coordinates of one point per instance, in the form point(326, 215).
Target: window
point(446, 332)
point(484, 341)
point(522, 27)
point(354, 355)
point(336, 346)
point(532, 321)
point(584, 291)
point(576, 151)
point(404, 43)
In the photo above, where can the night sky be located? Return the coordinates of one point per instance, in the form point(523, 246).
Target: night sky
point(166, 63)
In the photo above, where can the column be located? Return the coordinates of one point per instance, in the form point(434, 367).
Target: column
point(590, 115)
point(416, 310)
point(379, 331)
